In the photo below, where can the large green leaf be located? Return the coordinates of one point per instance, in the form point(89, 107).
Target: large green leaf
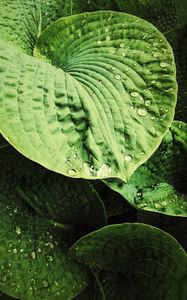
point(101, 96)
point(137, 261)
point(159, 184)
point(164, 14)
point(41, 215)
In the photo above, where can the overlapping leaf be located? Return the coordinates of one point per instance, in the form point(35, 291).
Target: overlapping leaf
point(108, 96)
point(136, 261)
point(159, 184)
point(41, 215)
point(21, 22)
point(178, 41)
point(164, 14)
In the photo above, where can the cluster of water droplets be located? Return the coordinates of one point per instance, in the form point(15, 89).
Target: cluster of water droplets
point(171, 202)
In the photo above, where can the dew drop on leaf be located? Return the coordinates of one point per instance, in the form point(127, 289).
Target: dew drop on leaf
point(18, 230)
point(104, 170)
point(117, 76)
point(45, 283)
point(142, 112)
point(128, 158)
point(33, 255)
point(72, 172)
point(135, 94)
point(147, 103)
point(163, 65)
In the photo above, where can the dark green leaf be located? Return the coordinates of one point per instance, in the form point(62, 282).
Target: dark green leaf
point(137, 261)
point(178, 41)
point(164, 14)
point(41, 215)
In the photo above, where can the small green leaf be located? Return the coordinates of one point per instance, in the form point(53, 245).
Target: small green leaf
point(104, 85)
point(159, 184)
point(136, 261)
point(41, 215)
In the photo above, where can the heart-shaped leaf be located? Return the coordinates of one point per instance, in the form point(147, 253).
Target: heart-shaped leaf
point(106, 103)
point(41, 215)
point(159, 184)
point(136, 261)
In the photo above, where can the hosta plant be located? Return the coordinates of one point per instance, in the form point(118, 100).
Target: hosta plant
point(92, 133)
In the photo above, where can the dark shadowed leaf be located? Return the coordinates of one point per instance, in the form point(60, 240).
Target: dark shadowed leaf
point(136, 261)
point(41, 215)
point(164, 14)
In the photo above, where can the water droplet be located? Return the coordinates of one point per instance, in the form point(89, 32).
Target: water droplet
point(147, 103)
point(128, 158)
point(12, 284)
point(157, 205)
point(122, 45)
point(104, 170)
point(39, 250)
point(99, 42)
point(123, 54)
point(108, 38)
point(155, 44)
point(164, 65)
point(117, 76)
point(45, 283)
point(72, 172)
point(155, 54)
point(15, 251)
point(56, 283)
point(50, 244)
point(142, 112)
point(21, 250)
point(89, 169)
point(135, 94)
point(50, 258)
point(18, 230)
point(33, 255)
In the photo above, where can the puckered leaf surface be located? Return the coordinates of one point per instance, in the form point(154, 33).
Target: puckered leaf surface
point(159, 184)
point(41, 215)
point(100, 93)
point(136, 261)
